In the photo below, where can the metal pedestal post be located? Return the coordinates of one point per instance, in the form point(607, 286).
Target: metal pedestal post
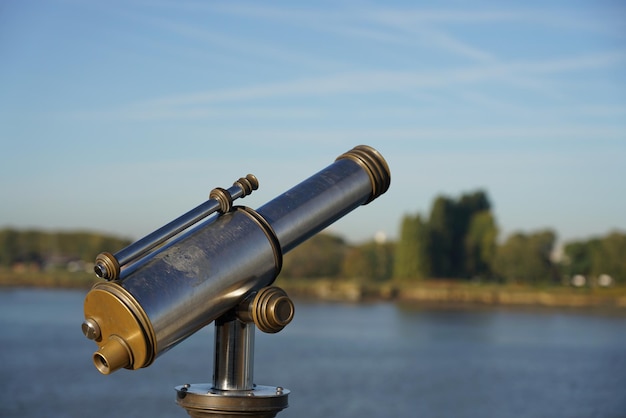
point(233, 392)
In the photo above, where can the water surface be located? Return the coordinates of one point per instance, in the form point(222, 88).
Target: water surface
point(369, 360)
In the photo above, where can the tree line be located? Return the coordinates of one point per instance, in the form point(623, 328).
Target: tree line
point(457, 240)
point(41, 248)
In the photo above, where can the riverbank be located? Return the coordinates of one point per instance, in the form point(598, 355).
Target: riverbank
point(47, 279)
point(450, 292)
point(424, 292)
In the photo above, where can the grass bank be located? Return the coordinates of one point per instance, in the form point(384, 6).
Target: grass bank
point(427, 292)
point(439, 292)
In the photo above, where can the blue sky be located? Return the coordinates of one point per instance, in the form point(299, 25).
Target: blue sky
point(119, 116)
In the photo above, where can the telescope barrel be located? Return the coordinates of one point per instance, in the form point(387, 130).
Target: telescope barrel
point(206, 271)
point(356, 178)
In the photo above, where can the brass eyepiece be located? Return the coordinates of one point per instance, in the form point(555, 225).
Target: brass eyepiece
point(112, 356)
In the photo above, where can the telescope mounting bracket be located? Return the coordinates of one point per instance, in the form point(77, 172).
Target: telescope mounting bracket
point(233, 392)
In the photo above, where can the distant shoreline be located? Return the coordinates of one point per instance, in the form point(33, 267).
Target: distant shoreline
point(47, 279)
point(447, 293)
point(432, 292)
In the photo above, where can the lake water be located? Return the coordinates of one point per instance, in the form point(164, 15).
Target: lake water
point(338, 360)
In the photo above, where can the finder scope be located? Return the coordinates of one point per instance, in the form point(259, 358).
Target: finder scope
point(200, 268)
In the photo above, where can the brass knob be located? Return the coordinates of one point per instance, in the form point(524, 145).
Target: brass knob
point(91, 329)
point(107, 266)
point(271, 309)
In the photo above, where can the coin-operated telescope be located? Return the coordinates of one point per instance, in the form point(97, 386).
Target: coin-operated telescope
point(200, 268)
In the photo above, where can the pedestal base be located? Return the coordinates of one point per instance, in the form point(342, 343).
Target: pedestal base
point(202, 401)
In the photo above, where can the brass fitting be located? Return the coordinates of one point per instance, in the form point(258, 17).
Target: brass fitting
point(223, 197)
point(374, 165)
point(119, 327)
point(107, 266)
point(270, 309)
point(247, 184)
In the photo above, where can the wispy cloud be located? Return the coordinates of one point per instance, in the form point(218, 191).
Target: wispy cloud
point(384, 25)
point(205, 113)
point(452, 136)
point(546, 17)
point(430, 27)
point(389, 81)
point(383, 22)
point(245, 47)
point(326, 76)
point(427, 29)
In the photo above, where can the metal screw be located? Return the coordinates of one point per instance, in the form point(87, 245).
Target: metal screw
point(91, 329)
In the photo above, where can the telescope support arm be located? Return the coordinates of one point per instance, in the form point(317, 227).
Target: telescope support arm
point(233, 392)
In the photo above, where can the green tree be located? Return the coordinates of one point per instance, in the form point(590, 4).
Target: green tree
point(320, 256)
point(610, 257)
point(577, 258)
point(33, 246)
point(9, 246)
point(442, 226)
point(526, 258)
point(449, 224)
point(372, 262)
point(412, 252)
point(597, 256)
point(481, 245)
point(466, 208)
